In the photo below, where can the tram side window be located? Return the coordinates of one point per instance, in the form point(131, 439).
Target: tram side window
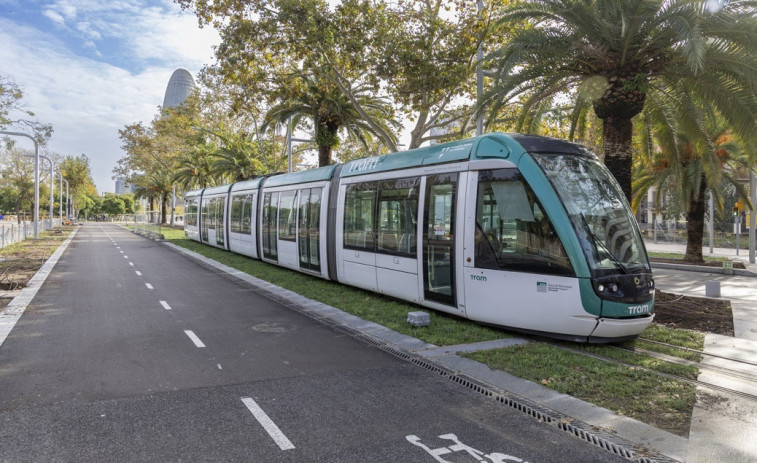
point(190, 213)
point(246, 220)
point(512, 231)
point(397, 216)
point(359, 207)
point(236, 214)
point(287, 217)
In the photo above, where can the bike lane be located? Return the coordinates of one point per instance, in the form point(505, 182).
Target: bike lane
point(102, 367)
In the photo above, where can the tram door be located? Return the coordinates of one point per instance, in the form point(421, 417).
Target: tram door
point(308, 217)
point(439, 239)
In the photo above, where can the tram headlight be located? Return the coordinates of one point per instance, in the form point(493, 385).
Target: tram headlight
point(601, 288)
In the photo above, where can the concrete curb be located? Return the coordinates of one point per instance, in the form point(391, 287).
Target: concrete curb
point(702, 269)
point(628, 429)
point(13, 311)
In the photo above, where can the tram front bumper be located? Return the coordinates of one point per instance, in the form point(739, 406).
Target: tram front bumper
point(620, 328)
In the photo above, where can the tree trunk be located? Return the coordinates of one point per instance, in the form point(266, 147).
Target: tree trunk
point(618, 133)
point(324, 155)
point(695, 225)
point(164, 208)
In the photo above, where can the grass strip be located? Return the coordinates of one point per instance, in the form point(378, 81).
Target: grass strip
point(638, 359)
point(679, 337)
point(630, 391)
point(444, 330)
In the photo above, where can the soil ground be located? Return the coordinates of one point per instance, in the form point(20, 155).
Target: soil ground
point(694, 313)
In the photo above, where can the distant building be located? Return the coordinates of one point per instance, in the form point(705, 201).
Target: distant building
point(123, 187)
point(180, 86)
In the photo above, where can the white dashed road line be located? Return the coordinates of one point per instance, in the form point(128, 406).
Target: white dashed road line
point(138, 272)
point(149, 286)
point(194, 338)
point(268, 424)
point(165, 305)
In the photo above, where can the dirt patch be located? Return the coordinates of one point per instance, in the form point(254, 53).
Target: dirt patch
point(694, 313)
point(20, 261)
point(707, 263)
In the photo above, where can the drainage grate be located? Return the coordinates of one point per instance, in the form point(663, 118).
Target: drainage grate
point(592, 435)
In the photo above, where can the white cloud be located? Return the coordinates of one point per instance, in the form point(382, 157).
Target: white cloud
point(88, 101)
point(54, 17)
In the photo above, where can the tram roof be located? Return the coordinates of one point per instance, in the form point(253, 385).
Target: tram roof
point(223, 189)
point(489, 146)
point(495, 145)
point(306, 176)
point(193, 193)
point(252, 184)
point(539, 144)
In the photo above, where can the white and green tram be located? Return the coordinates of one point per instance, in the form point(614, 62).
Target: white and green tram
point(524, 232)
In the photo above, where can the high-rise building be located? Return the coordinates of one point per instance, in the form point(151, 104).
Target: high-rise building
point(180, 86)
point(123, 187)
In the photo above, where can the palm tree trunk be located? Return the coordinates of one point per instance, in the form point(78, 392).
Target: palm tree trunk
point(618, 133)
point(324, 155)
point(695, 225)
point(164, 208)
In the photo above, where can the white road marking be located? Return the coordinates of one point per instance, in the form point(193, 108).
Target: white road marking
point(138, 272)
point(219, 367)
point(131, 263)
point(165, 305)
point(121, 252)
point(149, 286)
point(268, 424)
point(126, 257)
point(194, 338)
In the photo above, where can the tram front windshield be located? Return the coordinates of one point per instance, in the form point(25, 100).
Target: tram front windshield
point(601, 217)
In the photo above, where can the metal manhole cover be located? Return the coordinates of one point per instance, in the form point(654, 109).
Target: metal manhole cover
point(271, 327)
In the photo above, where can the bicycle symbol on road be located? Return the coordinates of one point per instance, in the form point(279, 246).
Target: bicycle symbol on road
point(458, 446)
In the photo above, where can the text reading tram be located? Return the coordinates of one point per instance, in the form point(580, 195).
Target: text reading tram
point(524, 232)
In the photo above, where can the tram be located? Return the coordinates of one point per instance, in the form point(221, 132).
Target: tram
point(523, 232)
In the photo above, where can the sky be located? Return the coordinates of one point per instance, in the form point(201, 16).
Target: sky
point(90, 67)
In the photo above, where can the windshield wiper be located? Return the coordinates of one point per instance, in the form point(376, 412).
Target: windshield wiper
point(597, 243)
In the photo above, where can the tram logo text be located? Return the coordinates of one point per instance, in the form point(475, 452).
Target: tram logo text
point(478, 277)
point(638, 309)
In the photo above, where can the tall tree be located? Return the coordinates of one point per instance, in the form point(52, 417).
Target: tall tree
point(76, 170)
point(419, 54)
point(614, 51)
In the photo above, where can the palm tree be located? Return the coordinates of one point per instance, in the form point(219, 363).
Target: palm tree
point(312, 97)
point(155, 186)
point(612, 52)
point(194, 168)
point(691, 163)
point(236, 158)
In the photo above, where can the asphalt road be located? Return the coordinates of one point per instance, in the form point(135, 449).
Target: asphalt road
point(132, 352)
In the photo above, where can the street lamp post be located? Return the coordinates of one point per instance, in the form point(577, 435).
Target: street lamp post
point(36, 177)
point(52, 187)
point(60, 203)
